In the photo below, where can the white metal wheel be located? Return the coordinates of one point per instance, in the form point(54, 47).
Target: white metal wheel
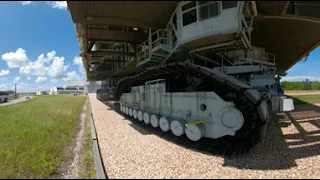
point(130, 112)
point(135, 114)
point(195, 132)
point(140, 117)
point(164, 124)
point(177, 127)
point(154, 120)
point(231, 118)
point(127, 110)
point(146, 118)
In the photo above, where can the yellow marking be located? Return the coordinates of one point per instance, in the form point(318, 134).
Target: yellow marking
point(196, 122)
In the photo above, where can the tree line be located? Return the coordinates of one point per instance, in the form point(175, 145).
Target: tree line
point(302, 85)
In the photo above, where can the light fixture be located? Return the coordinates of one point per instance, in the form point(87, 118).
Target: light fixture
point(135, 29)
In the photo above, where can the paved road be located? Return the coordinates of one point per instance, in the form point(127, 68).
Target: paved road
point(21, 99)
point(302, 92)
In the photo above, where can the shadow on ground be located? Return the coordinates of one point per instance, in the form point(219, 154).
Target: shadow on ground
point(279, 149)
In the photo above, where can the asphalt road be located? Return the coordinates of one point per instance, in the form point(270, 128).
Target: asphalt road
point(21, 99)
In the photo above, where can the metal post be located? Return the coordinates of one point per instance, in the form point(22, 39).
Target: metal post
point(15, 90)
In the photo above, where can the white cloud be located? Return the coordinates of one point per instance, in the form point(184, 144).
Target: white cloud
point(3, 87)
point(4, 72)
point(300, 78)
point(16, 80)
point(72, 76)
point(58, 4)
point(22, 87)
point(25, 2)
point(41, 79)
point(38, 67)
point(4, 78)
point(78, 61)
point(15, 59)
point(33, 68)
point(45, 65)
point(45, 60)
point(55, 70)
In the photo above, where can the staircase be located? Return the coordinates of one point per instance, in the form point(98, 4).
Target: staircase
point(155, 50)
point(156, 58)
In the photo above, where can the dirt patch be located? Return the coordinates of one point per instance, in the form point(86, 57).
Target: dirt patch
point(69, 168)
point(72, 170)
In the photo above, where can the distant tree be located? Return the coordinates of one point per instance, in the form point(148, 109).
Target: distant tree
point(315, 85)
point(307, 85)
point(292, 85)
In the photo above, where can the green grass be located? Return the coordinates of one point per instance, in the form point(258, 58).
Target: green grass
point(87, 159)
point(305, 99)
point(34, 135)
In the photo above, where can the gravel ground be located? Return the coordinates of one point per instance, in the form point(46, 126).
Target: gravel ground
point(291, 149)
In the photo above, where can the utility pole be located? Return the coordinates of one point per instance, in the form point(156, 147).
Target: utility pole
point(15, 90)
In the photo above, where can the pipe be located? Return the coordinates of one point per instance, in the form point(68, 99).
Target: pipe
point(254, 8)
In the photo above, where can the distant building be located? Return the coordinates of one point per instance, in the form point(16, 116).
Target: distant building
point(42, 93)
point(92, 87)
point(67, 90)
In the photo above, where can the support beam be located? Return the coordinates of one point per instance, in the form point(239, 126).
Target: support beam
point(114, 21)
point(285, 7)
point(293, 17)
point(114, 61)
point(91, 44)
point(104, 72)
point(111, 42)
point(296, 12)
point(118, 36)
point(106, 53)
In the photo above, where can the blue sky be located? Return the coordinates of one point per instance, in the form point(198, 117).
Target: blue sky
point(39, 48)
point(306, 70)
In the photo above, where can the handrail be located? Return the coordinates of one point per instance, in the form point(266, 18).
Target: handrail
point(261, 57)
point(166, 41)
point(144, 48)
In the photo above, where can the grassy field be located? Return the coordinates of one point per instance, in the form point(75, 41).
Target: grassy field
point(305, 99)
point(87, 159)
point(35, 133)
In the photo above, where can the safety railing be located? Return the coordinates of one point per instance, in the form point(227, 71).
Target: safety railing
point(260, 58)
point(271, 58)
point(174, 40)
point(158, 37)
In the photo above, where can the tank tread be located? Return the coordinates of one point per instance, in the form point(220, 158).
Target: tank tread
point(178, 67)
point(248, 101)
